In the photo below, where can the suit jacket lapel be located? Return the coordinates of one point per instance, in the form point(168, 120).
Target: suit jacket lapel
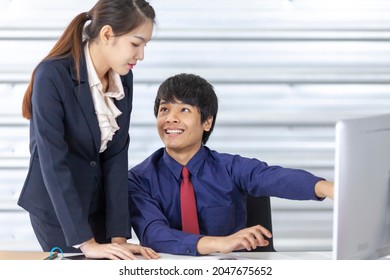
point(84, 96)
point(122, 105)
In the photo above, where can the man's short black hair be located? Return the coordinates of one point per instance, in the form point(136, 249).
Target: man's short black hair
point(193, 90)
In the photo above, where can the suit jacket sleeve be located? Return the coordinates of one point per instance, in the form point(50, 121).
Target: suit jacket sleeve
point(48, 120)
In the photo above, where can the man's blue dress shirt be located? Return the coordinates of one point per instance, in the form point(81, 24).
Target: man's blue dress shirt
point(221, 184)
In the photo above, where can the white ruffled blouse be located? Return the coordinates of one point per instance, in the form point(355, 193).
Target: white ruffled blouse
point(105, 109)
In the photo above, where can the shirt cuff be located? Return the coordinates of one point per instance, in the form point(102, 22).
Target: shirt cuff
point(78, 245)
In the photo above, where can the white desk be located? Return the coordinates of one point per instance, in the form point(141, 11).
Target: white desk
point(299, 255)
point(326, 255)
point(256, 256)
point(286, 265)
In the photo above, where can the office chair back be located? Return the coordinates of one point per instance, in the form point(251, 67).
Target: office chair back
point(259, 213)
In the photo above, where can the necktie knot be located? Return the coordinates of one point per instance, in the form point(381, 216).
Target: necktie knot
point(185, 173)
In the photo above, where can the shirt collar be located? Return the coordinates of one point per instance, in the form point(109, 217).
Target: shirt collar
point(193, 165)
point(115, 84)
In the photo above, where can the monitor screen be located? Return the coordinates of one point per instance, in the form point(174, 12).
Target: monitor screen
point(361, 221)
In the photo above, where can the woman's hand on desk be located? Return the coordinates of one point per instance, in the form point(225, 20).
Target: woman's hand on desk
point(146, 252)
point(247, 238)
point(117, 250)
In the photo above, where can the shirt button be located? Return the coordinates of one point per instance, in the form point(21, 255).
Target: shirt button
point(188, 251)
point(92, 163)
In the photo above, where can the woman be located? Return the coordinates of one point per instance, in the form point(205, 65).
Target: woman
point(79, 102)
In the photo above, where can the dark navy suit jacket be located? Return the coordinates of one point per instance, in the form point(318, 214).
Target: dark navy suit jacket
point(69, 182)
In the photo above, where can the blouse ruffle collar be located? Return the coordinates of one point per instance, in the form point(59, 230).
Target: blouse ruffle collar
point(105, 108)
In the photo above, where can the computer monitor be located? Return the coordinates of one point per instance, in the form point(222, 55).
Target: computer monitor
point(361, 221)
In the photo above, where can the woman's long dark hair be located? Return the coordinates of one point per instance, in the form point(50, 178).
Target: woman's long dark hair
point(122, 15)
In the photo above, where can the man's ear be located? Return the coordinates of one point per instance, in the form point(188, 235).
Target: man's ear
point(208, 123)
point(106, 33)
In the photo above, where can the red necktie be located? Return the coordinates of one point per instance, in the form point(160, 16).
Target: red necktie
point(189, 217)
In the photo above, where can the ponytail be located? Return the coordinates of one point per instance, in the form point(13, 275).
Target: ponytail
point(122, 15)
point(69, 44)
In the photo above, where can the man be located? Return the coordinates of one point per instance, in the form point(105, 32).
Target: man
point(186, 108)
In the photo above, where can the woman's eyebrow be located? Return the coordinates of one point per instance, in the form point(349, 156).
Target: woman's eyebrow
point(140, 37)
